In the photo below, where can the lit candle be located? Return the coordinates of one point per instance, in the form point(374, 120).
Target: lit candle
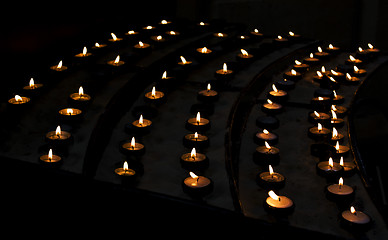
point(164, 22)
point(321, 54)
point(83, 54)
point(244, 57)
point(336, 136)
point(224, 73)
point(154, 97)
point(335, 121)
point(332, 49)
point(18, 100)
point(196, 140)
point(172, 33)
point(340, 150)
point(358, 72)
point(270, 179)
point(80, 98)
point(126, 174)
point(355, 220)
point(349, 167)
point(256, 33)
point(280, 41)
point(50, 158)
point(116, 62)
point(319, 77)
point(372, 50)
point(329, 169)
point(141, 126)
point(319, 132)
point(131, 33)
point(339, 110)
point(311, 60)
point(337, 99)
point(204, 51)
point(32, 85)
point(58, 137)
point(203, 24)
point(338, 76)
point(292, 75)
point(300, 67)
point(271, 108)
point(292, 36)
point(59, 67)
point(220, 35)
point(339, 192)
point(278, 204)
point(194, 160)
point(114, 38)
point(319, 117)
point(168, 81)
point(184, 62)
point(70, 114)
point(353, 61)
point(277, 95)
point(158, 39)
point(208, 95)
point(142, 48)
point(132, 148)
point(198, 124)
point(266, 136)
point(266, 155)
point(197, 186)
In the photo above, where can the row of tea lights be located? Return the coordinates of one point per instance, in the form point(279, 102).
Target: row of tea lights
point(269, 155)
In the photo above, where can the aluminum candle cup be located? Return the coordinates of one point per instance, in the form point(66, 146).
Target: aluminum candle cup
point(278, 205)
point(126, 174)
point(266, 155)
point(355, 220)
point(197, 186)
point(196, 140)
point(265, 136)
point(132, 148)
point(319, 133)
point(270, 180)
point(329, 169)
point(194, 160)
point(271, 108)
point(198, 124)
point(340, 192)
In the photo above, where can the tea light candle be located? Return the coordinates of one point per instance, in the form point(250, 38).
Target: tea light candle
point(271, 108)
point(355, 220)
point(167, 81)
point(132, 148)
point(329, 169)
point(266, 155)
point(358, 72)
point(32, 86)
point(220, 35)
point(204, 51)
point(332, 49)
point(353, 61)
point(278, 204)
point(173, 33)
point(321, 54)
point(59, 68)
point(336, 136)
point(311, 60)
point(300, 67)
point(198, 124)
point(197, 186)
point(125, 173)
point(184, 62)
point(141, 125)
point(292, 75)
point(209, 95)
point(154, 97)
point(319, 117)
point(265, 136)
point(372, 49)
point(349, 167)
point(196, 140)
point(280, 41)
point(50, 158)
point(142, 48)
point(256, 33)
point(116, 63)
point(223, 73)
point(114, 38)
point(98, 46)
point(337, 99)
point(70, 114)
point(340, 150)
point(83, 54)
point(194, 160)
point(320, 103)
point(338, 76)
point(339, 110)
point(131, 33)
point(292, 36)
point(158, 39)
point(351, 79)
point(277, 95)
point(319, 132)
point(270, 179)
point(336, 122)
point(18, 100)
point(339, 192)
point(58, 137)
point(80, 98)
point(244, 56)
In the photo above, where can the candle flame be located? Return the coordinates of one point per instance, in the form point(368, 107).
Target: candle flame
point(320, 98)
point(370, 46)
point(335, 133)
point(311, 55)
point(273, 195)
point(243, 52)
point(164, 76)
point(319, 74)
point(332, 79)
point(323, 69)
point(334, 72)
point(342, 161)
point(341, 181)
point(352, 58)
point(279, 37)
point(141, 44)
point(225, 67)
point(334, 93)
point(267, 145)
point(293, 72)
point(18, 98)
point(130, 32)
point(183, 60)
point(84, 51)
point(331, 164)
point(172, 33)
point(141, 119)
point(360, 49)
point(81, 91)
point(333, 115)
point(291, 33)
point(208, 87)
point(31, 83)
point(319, 49)
point(163, 22)
point(58, 131)
point(196, 135)
point(317, 114)
point(333, 108)
point(297, 62)
point(274, 88)
point(69, 111)
point(133, 142)
point(117, 60)
point(125, 166)
point(198, 118)
point(337, 146)
point(331, 46)
point(256, 30)
point(319, 127)
point(270, 169)
point(204, 50)
point(356, 69)
point(202, 23)
point(50, 154)
point(220, 34)
point(348, 76)
point(193, 175)
point(159, 37)
point(269, 101)
point(113, 36)
point(149, 27)
point(97, 45)
point(59, 66)
point(265, 131)
point(193, 153)
point(153, 91)
point(352, 210)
